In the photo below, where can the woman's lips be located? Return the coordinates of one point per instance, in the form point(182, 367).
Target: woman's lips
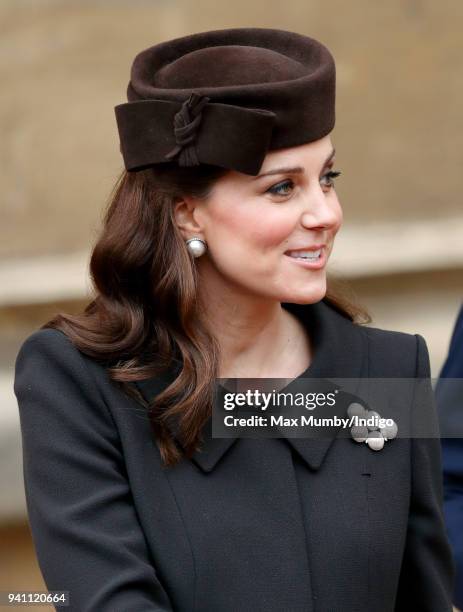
point(311, 265)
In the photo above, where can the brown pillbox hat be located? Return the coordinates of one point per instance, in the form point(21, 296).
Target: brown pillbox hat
point(226, 97)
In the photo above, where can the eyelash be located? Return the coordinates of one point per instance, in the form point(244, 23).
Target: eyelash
point(332, 174)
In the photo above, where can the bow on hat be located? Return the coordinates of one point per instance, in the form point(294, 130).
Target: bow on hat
point(185, 129)
point(196, 131)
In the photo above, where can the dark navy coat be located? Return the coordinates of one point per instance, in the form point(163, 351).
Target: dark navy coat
point(450, 408)
point(281, 524)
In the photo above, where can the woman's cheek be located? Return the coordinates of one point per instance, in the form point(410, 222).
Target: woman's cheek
point(254, 225)
point(268, 231)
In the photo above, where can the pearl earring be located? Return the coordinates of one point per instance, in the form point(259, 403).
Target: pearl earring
point(196, 246)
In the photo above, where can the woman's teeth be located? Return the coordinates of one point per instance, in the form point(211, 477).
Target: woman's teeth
point(311, 255)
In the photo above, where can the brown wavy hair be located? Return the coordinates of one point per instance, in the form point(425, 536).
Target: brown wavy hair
point(145, 313)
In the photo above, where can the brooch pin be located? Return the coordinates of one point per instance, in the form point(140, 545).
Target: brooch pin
point(373, 430)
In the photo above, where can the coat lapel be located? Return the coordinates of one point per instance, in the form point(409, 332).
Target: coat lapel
point(339, 352)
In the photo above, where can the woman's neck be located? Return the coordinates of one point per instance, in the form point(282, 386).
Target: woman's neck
point(258, 338)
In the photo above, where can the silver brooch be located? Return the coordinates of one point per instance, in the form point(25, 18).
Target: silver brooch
point(371, 428)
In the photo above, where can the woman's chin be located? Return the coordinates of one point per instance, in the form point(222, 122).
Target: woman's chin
point(311, 293)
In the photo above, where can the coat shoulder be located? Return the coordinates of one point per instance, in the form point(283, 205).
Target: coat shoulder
point(53, 345)
point(392, 353)
point(45, 346)
point(46, 338)
point(48, 356)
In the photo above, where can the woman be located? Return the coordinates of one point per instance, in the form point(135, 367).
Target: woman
point(212, 264)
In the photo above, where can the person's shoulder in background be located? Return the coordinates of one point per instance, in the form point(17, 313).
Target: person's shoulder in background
point(453, 366)
point(449, 398)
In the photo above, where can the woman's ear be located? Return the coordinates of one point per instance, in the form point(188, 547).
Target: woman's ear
point(185, 216)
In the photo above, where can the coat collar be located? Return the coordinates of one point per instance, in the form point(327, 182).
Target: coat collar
point(339, 352)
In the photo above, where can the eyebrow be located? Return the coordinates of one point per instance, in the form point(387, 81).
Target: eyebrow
point(294, 170)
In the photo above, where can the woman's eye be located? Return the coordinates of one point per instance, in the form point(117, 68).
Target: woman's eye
point(276, 189)
point(332, 174)
point(280, 189)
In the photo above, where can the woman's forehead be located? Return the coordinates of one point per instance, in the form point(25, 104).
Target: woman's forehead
point(297, 159)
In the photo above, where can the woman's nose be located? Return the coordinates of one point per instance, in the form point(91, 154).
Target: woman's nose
point(321, 211)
